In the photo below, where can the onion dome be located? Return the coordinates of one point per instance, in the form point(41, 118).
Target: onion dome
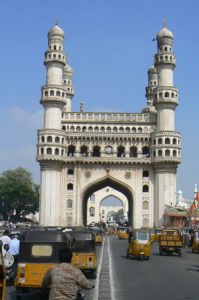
point(152, 70)
point(68, 69)
point(56, 30)
point(164, 33)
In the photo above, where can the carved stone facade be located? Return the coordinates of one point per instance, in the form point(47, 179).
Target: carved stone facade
point(81, 153)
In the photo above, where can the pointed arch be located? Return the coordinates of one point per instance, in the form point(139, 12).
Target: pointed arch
point(113, 183)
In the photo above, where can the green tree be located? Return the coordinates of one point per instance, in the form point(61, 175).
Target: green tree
point(18, 193)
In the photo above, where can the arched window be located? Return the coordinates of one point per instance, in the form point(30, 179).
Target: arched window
point(114, 129)
point(154, 141)
point(69, 221)
point(145, 188)
point(134, 130)
point(133, 151)
point(145, 222)
point(78, 129)
point(70, 172)
point(92, 198)
point(92, 211)
point(90, 128)
point(174, 153)
point(49, 139)
point(167, 141)
point(46, 93)
point(84, 151)
point(69, 203)
point(145, 173)
point(159, 152)
point(43, 139)
point(160, 141)
point(84, 129)
point(121, 129)
point(70, 186)
point(56, 151)
point(63, 127)
point(42, 151)
point(49, 151)
point(154, 154)
point(166, 95)
point(127, 129)
point(96, 151)
point(58, 93)
point(120, 151)
point(71, 150)
point(174, 141)
point(145, 151)
point(51, 93)
point(108, 129)
point(167, 152)
point(57, 139)
point(96, 129)
point(102, 129)
point(72, 129)
point(139, 130)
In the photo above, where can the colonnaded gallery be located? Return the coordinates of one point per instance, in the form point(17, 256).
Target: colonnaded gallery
point(133, 156)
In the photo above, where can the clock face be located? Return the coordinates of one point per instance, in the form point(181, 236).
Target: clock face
point(108, 149)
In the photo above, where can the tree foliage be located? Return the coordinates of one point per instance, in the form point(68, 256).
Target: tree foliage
point(18, 193)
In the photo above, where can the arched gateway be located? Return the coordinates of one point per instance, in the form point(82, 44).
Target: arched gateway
point(114, 183)
point(82, 152)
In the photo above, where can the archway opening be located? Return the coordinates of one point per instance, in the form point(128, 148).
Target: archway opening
point(101, 186)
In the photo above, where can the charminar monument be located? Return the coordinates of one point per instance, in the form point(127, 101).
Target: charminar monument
point(133, 156)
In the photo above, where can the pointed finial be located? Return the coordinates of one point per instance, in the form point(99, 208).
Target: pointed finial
point(164, 23)
point(57, 21)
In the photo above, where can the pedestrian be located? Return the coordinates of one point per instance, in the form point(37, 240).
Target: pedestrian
point(65, 280)
point(186, 239)
point(14, 245)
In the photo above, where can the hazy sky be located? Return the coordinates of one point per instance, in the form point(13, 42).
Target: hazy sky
point(110, 48)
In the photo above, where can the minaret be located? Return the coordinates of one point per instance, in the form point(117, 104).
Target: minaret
point(67, 83)
point(165, 140)
point(152, 84)
point(51, 139)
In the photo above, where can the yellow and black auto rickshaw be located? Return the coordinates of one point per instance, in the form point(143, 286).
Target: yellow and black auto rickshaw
point(84, 251)
point(139, 244)
point(99, 235)
point(195, 241)
point(39, 251)
point(123, 233)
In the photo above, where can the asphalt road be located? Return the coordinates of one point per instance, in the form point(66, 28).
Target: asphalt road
point(159, 278)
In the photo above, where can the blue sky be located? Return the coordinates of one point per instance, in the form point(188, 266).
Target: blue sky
point(109, 46)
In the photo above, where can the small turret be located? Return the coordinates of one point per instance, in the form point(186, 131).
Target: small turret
point(152, 84)
point(67, 84)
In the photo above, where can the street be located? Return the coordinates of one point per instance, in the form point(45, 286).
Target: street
point(161, 277)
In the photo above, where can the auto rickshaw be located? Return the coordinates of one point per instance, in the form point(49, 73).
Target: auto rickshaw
point(195, 241)
point(39, 251)
point(99, 235)
point(84, 251)
point(123, 233)
point(139, 244)
point(170, 241)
